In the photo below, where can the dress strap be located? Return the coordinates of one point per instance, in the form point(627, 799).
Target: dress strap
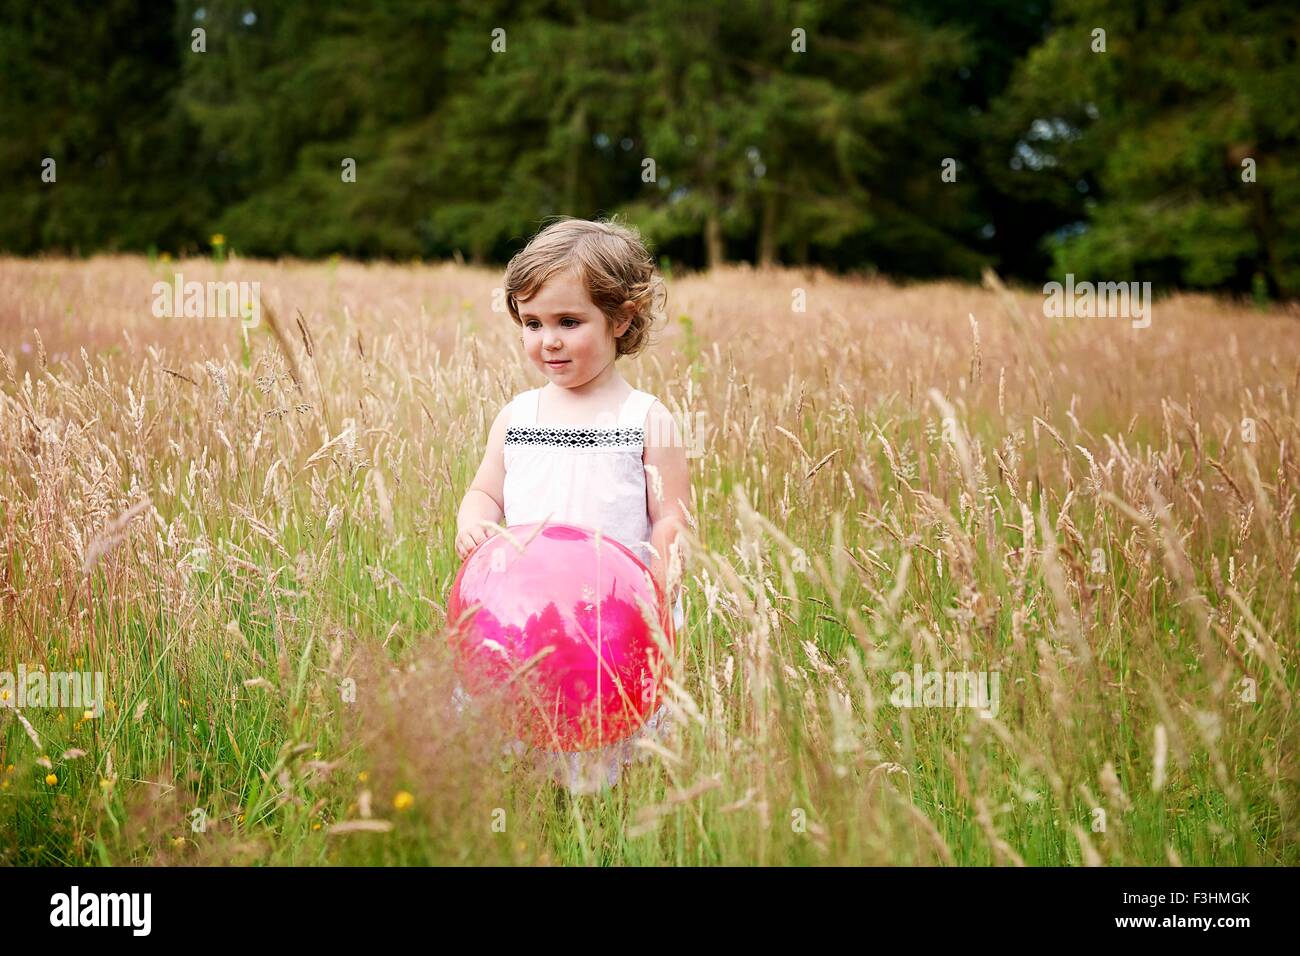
point(635, 408)
point(523, 408)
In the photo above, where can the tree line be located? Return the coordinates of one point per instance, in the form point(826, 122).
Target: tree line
point(1111, 139)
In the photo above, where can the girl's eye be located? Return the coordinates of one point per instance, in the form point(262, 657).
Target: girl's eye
point(574, 321)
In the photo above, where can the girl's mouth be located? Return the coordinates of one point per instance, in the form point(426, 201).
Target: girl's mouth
point(557, 362)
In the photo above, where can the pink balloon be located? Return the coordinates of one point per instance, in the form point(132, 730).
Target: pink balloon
point(558, 631)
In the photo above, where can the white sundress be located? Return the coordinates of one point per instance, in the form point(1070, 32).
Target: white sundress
point(594, 476)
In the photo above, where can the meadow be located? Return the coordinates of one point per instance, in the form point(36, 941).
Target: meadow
point(250, 534)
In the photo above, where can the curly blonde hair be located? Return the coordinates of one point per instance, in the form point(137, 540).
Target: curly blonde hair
point(613, 264)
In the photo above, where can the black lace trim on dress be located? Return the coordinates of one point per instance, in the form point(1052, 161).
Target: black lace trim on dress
point(575, 436)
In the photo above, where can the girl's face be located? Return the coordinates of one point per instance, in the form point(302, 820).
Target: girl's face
point(565, 334)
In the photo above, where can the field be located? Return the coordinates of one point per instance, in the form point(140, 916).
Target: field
point(238, 530)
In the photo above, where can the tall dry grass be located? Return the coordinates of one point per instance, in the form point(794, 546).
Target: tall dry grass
point(239, 529)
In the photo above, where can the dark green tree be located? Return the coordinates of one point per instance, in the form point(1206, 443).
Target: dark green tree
point(92, 86)
point(288, 93)
point(790, 127)
point(1161, 133)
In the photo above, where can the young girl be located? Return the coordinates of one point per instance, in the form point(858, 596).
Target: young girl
point(578, 449)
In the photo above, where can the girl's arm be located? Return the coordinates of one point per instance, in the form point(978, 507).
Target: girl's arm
point(665, 451)
point(484, 501)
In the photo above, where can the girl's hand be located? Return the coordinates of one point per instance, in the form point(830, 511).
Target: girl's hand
point(659, 573)
point(471, 538)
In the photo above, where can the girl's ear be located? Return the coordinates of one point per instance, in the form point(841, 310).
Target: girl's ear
point(628, 311)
